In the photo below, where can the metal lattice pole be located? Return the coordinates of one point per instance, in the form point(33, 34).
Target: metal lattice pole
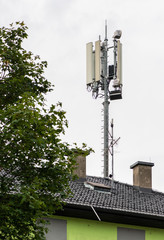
point(106, 106)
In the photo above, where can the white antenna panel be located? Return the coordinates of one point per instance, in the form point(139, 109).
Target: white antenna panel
point(97, 60)
point(119, 62)
point(90, 63)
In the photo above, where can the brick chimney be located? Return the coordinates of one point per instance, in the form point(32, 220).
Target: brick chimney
point(80, 171)
point(142, 175)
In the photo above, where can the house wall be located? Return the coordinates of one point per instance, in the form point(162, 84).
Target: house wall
point(81, 229)
point(57, 229)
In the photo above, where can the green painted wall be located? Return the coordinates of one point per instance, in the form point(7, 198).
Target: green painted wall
point(88, 230)
point(81, 229)
point(154, 234)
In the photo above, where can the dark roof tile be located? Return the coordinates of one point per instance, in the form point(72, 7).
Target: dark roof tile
point(123, 196)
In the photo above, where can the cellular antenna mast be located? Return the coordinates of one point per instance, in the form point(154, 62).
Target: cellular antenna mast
point(99, 75)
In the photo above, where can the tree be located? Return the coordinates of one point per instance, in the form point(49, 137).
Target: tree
point(35, 165)
point(20, 70)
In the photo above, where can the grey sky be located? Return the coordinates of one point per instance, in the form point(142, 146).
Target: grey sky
point(58, 32)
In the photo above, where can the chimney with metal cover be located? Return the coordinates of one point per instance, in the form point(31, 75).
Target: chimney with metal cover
point(142, 174)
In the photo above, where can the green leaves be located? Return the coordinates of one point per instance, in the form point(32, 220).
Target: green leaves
point(20, 70)
point(35, 165)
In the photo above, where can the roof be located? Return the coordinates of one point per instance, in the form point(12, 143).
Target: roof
point(122, 198)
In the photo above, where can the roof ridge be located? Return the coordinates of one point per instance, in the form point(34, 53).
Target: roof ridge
point(126, 184)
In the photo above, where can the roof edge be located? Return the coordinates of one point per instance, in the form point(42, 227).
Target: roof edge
point(111, 215)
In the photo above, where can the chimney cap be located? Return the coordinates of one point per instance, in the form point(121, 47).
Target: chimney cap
point(141, 163)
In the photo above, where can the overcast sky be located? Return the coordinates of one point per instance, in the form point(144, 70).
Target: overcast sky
point(58, 32)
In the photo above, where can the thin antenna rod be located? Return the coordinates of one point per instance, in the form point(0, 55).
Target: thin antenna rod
point(112, 153)
point(111, 147)
point(105, 29)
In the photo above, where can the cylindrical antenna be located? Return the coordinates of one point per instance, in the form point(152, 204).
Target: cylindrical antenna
point(115, 57)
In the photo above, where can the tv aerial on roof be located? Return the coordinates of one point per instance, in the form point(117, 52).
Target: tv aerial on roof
point(100, 75)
